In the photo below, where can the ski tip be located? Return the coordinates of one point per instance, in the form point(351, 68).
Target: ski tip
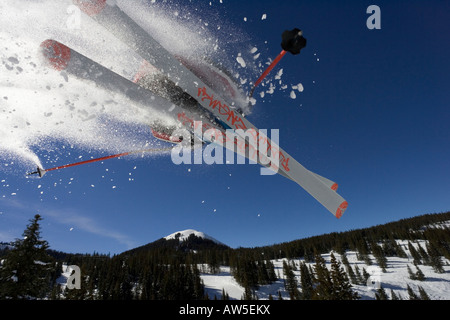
point(90, 7)
point(340, 211)
point(57, 54)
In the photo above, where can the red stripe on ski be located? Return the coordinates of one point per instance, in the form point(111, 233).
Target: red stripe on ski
point(340, 211)
point(56, 53)
point(165, 136)
point(91, 7)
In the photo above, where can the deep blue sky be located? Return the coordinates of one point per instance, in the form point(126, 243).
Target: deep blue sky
point(374, 117)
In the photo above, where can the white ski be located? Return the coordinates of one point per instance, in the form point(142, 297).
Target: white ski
point(110, 16)
point(196, 122)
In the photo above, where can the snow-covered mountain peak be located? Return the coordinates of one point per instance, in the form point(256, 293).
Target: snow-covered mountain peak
point(184, 235)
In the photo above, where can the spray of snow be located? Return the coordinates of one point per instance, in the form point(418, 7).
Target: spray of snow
point(42, 110)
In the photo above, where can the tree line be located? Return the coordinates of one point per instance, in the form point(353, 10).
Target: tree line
point(169, 270)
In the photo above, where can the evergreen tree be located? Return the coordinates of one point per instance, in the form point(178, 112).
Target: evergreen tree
point(280, 297)
point(306, 282)
point(323, 287)
point(262, 273)
point(379, 256)
point(365, 276)
point(423, 294)
point(381, 294)
point(363, 252)
point(290, 282)
point(341, 287)
point(359, 278)
point(248, 294)
point(400, 251)
point(419, 274)
point(271, 271)
point(348, 267)
point(423, 254)
point(415, 255)
point(412, 275)
point(213, 264)
point(225, 295)
point(435, 258)
point(27, 268)
point(411, 294)
point(394, 296)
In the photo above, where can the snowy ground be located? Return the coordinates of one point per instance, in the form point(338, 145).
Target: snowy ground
point(396, 277)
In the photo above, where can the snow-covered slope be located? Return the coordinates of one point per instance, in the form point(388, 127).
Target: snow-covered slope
point(184, 235)
point(396, 277)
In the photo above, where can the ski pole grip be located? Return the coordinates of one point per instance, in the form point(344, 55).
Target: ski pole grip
point(293, 41)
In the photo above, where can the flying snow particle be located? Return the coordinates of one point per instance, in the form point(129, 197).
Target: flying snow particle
point(241, 61)
point(293, 95)
point(279, 74)
point(298, 87)
point(271, 89)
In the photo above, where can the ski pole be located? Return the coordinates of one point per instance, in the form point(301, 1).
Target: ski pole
point(267, 71)
point(41, 171)
point(292, 41)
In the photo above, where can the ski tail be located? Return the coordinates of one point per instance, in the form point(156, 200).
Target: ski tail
point(331, 184)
